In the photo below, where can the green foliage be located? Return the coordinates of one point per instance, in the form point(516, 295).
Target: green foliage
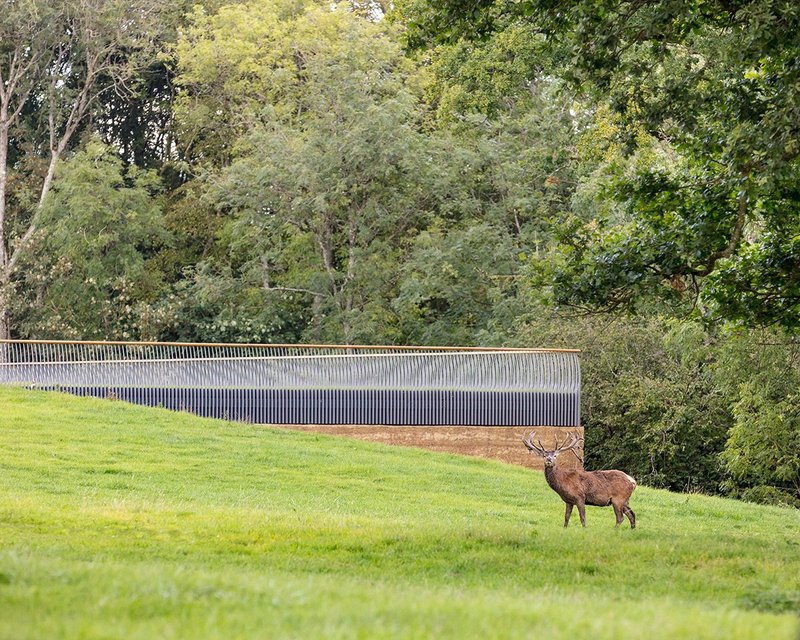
point(225, 60)
point(762, 283)
point(451, 282)
point(528, 158)
point(651, 402)
point(716, 84)
point(327, 190)
point(323, 193)
point(89, 274)
point(56, 60)
point(761, 454)
point(213, 304)
point(321, 211)
point(482, 77)
point(127, 521)
point(679, 243)
point(767, 494)
point(251, 62)
point(764, 443)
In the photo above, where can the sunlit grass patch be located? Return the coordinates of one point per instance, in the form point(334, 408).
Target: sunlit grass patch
point(120, 521)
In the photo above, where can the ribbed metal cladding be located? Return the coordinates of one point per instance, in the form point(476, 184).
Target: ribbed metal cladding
point(312, 384)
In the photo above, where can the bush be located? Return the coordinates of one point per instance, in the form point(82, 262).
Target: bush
point(651, 405)
point(766, 494)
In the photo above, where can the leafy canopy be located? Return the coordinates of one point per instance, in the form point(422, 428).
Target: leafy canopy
point(715, 86)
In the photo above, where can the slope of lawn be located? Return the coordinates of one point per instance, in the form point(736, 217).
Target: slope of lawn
point(124, 522)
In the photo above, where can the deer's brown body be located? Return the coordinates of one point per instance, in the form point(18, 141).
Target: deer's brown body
point(579, 488)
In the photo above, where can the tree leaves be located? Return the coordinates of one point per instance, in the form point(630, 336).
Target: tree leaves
point(715, 86)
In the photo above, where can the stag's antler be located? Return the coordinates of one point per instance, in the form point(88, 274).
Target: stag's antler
point(571, 442)
point(574, 440)
point(528, 442)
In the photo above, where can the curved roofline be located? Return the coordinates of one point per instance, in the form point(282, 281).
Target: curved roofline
point(365, 347)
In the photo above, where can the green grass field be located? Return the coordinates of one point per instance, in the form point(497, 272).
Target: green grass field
point(123, 522)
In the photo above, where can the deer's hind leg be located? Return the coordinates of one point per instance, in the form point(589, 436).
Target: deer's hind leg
point(631, 515)
point(567, 514)
point(582, 512)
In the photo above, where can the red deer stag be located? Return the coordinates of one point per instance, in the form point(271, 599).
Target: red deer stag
point(579, 488)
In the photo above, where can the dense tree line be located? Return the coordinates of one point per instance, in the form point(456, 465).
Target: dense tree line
point(621, 177)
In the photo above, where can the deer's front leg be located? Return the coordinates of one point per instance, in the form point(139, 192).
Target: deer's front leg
point(617, 513)
point(568, 514)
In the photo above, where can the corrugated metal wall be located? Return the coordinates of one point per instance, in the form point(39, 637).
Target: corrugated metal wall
point(314, 384)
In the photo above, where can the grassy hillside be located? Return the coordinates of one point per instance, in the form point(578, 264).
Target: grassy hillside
point(124, 522)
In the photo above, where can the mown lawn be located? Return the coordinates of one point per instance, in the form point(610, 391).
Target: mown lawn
point(124, 522)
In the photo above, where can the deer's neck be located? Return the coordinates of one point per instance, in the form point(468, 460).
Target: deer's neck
point(553, 477)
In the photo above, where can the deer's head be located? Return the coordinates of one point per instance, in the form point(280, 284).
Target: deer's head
point(550, 455)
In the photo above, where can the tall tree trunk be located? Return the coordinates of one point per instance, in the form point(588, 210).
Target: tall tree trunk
point(55, 154)
point(5, 329)
point(352, 238)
